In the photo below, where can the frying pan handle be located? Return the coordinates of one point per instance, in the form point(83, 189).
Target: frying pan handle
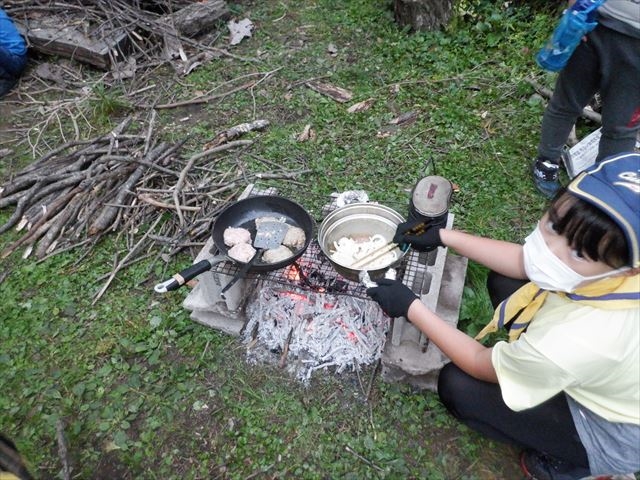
point(183, 276)
point(241, 272)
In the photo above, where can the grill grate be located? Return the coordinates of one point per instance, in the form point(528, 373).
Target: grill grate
point(314, 272)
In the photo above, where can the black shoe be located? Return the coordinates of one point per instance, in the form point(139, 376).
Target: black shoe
point(538, 466)
point(546, 177)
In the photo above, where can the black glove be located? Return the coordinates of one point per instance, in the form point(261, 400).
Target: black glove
point(393, 296)
point(422, 237)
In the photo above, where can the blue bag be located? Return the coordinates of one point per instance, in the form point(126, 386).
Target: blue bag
point(576, 22)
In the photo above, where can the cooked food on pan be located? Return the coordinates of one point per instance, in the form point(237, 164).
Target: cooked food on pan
point(241, 241)
point(348, 251)
point(275, 255)
point(242, 252)
point(234, 236)
point(294, 238)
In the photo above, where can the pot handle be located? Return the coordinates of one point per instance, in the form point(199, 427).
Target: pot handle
point(183, 276)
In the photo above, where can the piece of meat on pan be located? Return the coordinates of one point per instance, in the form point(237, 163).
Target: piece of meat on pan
point(233, 236)
point(294, 238)
point(275, 255)
point(242, 252)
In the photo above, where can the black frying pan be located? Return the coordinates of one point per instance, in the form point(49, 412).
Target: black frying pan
point(243, 214)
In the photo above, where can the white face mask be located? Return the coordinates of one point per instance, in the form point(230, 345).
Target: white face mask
point(548, 271)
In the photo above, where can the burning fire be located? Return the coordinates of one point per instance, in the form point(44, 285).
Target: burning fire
point(292, 273)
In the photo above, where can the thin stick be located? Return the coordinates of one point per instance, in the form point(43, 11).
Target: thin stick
point(62, 450)
point(205, 99)
point(373, 376)
point(156, 203)
point(124, 260)
point(360, 457)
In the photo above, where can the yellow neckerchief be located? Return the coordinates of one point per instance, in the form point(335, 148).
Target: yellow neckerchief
point(8, 476)
point(613, 293)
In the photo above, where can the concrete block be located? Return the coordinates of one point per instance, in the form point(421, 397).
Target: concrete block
point(419, 364)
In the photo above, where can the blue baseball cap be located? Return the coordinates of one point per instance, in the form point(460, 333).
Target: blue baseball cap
point(613, 186)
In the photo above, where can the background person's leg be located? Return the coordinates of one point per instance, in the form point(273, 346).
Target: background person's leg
point(576, 85)
point(620, 93)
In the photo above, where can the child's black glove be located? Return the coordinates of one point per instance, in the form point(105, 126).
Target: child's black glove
point(393, 296)
point(422, 237)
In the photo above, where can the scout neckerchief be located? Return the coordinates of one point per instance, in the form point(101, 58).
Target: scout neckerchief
point(613, 293)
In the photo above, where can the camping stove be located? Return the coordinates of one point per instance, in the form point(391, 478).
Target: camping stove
point(308, 317)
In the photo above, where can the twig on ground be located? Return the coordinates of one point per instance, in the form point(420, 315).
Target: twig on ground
point(62, 450)
point(363, 459)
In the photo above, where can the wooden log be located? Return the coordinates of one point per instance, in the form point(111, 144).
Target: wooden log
point(58, 224)
point(339, 94)
point(199, 17)
point(109, 212)
point(57, 35)
point(423, 15)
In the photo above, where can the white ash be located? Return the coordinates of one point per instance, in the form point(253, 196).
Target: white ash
point(327, 330)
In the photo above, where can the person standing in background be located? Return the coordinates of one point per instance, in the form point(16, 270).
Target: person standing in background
point(607, 61)
point(13, 54)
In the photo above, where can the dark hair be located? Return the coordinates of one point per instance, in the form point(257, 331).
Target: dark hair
point(589, 230)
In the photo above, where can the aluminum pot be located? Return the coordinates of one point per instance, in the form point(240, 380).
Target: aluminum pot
point(359, 220)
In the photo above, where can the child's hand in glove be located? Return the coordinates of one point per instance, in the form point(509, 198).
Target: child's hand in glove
point(393, 296)
point(423, 238)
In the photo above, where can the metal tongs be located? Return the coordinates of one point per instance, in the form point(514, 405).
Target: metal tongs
point(418, 229)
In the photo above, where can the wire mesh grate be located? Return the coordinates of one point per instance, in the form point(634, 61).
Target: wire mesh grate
point(313, 271)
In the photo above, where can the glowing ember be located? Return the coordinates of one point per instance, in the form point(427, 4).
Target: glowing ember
point(317, 330)
point(292, 273)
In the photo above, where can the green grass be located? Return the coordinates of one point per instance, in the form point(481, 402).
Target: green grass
point(144, 392)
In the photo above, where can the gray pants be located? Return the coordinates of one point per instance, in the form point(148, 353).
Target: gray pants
point(609, 63)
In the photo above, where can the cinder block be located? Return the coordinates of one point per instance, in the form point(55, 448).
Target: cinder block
point(417, 363)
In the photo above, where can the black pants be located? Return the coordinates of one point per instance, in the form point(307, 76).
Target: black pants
point(547, 428)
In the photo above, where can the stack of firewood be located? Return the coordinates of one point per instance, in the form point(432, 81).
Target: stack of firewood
point(120, 182)
point(110, 34)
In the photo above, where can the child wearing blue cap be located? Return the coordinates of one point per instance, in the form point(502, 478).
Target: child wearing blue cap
point(565, 387)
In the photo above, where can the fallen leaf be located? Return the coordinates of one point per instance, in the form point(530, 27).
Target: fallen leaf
point(408, 117)
point(110, 446)
point(338, 94)
point(307, 134)
point(239, 30)
point(361, 106)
